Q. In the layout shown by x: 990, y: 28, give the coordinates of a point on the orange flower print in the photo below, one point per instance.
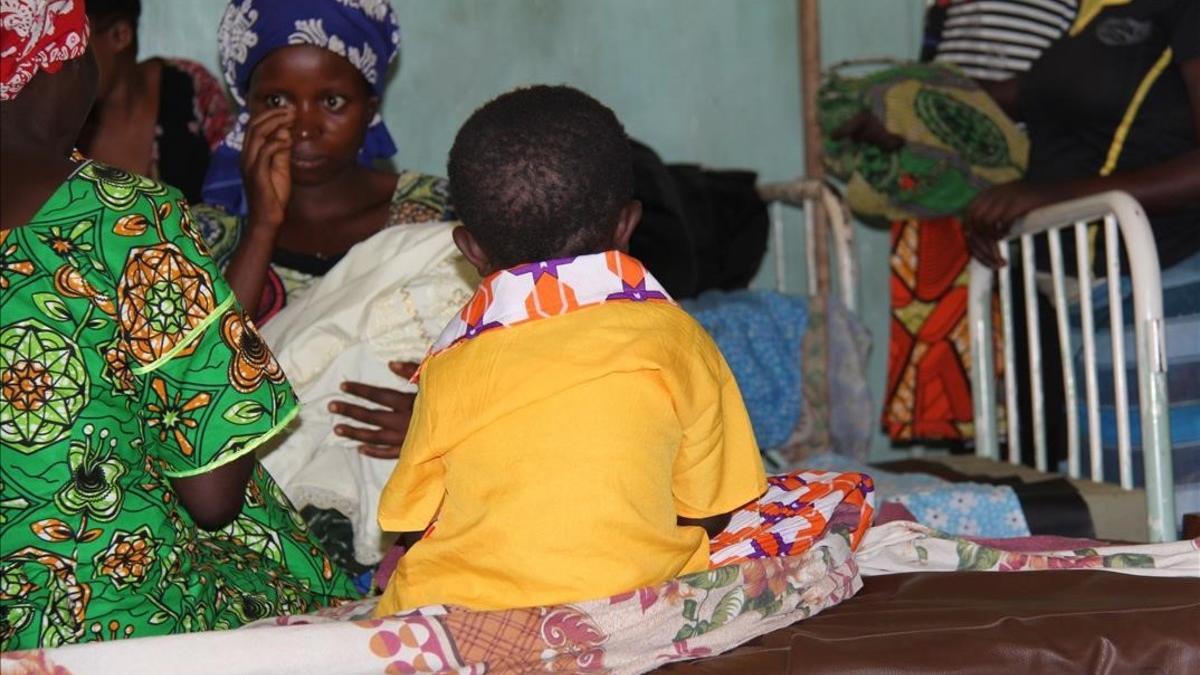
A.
x: 132, y: 225
x: 8, y: 263
x: 170, y: 416
x: 764, y: 576
x: 117, y: 371
x: 252, y: 359
x: 69, y: 282
x: 128, y: 557
x: 161, y: 297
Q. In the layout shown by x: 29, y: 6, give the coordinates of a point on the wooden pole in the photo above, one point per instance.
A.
x: 809, y: 34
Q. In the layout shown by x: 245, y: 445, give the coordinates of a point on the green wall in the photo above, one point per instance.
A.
x: 708, y: 81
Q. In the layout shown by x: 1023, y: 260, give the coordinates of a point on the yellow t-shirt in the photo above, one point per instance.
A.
x: 557, y: 454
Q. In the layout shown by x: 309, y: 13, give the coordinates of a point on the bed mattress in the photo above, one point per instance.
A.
x: 967, y: 622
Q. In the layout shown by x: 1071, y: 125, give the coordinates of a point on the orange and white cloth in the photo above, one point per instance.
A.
x: 37, y: 35
x: 797, y: 509
x: 550, y: 288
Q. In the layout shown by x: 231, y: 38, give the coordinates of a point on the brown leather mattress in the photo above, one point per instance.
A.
x: 987, y: 622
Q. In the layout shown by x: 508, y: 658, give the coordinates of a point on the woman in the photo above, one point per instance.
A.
x: 295, y: 176
x: 1136, y: 129
x: 135, y: 389
x: 294, y: 182
x: 161, y: 117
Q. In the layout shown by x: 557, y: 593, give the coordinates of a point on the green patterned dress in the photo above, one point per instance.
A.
x: 126, y: 361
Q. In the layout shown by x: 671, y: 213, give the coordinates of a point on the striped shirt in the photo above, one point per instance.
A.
x: 998, y: 39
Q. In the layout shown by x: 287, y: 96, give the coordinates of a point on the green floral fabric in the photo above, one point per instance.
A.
x: 125, y: 361
x: 957, y: 141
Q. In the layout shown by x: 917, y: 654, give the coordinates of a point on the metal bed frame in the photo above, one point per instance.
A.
x: 1121, y: 214
x: 841, y: 230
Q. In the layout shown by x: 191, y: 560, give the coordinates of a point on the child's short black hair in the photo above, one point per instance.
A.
x: 541, y: 173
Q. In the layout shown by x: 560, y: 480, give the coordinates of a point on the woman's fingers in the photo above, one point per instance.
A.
x: 377, y: 437
x: 375, y: 416
x: 380, y: 451
x: 262, y: 129
x: 274, y: 158
x: 851, y: 128
x: 984, y: 248
x: 396, y: 400
x: 865, y: 127
x: 266, y: 122
x: 405, y: 369
x: 391, y: 421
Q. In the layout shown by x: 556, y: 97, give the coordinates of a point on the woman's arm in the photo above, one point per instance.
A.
x: 215, y: 499
x: 247, y: 268
x: 1004, y: 93
x: 1165, y: 187
x: 266, y: 172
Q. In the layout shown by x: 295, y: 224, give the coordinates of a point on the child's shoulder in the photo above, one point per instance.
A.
x: 672, y: 326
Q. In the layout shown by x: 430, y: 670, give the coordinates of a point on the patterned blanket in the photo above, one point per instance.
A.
x: 967, y: 509
x: 781, y: 560
x: 905, y: 546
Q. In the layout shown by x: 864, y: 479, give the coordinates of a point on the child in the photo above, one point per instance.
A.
x: 576, y: 434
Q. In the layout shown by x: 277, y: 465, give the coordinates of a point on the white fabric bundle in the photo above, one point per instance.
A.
x: 388, y: 299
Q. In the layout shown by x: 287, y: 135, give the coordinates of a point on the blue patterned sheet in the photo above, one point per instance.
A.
x: 973, y: 509
x: 1181, y: 309
x: 760, y: 333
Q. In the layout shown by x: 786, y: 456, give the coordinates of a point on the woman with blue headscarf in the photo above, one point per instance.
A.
x: 294, y: 183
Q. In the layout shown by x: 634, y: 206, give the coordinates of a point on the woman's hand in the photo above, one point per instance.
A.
x: 390, y: 422
x: 865, y: 127
x: 992, y: 213
x: 266, y: 166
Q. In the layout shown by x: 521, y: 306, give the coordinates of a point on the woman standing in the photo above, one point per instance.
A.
x: 135, y: 389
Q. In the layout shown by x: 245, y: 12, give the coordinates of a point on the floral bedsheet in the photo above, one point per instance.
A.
x: 783, y: 559
x: 905, y: 546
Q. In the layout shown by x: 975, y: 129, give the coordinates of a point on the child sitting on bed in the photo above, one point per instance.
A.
x: 576, y: 434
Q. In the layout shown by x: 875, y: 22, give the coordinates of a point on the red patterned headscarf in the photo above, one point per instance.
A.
x: 38, y: 35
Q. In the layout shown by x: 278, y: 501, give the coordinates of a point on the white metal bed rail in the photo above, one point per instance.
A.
x: 1120, y: 213
x: 841, y: 230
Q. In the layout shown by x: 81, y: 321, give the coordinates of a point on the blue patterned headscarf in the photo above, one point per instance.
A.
x: 364, y: 32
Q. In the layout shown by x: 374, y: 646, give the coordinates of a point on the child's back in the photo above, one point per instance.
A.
x: 565, y: 423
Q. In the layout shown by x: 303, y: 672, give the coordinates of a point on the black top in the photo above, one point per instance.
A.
x: 1074, y: 98
x: 181, y: 149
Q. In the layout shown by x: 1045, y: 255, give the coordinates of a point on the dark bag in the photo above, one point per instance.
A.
x: 701, y: 229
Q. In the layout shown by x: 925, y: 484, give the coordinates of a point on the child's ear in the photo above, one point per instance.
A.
x: 473, y: 252
x: 627, y: 222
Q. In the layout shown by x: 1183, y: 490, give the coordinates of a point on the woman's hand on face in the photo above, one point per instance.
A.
x: 992, y: 213
x: 266, y: 166
x: 390, y: 423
